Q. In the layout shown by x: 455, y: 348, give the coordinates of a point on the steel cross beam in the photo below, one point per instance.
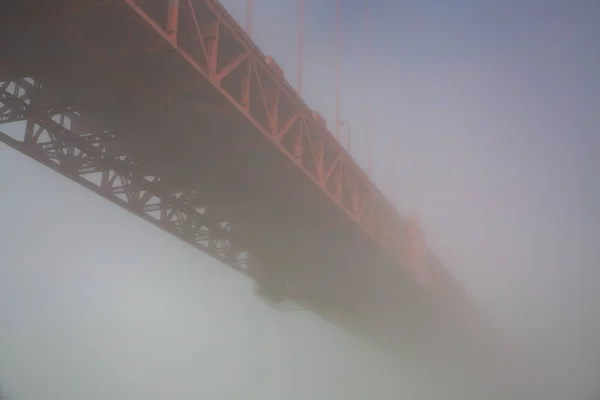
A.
x: 188, y: 65
x: 86, y: 158
x: 218, y: 50
x: 200, y: 49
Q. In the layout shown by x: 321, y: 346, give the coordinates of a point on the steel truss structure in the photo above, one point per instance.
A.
x: 92, y: 160
x: 169, y: 110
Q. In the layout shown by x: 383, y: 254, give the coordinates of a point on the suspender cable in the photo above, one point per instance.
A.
x: 249, y: 17
x: 338, y: 60
x: 300, y: 43
x: 369, y: 146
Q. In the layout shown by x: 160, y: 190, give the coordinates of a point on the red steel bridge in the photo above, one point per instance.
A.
x: 168, y: 109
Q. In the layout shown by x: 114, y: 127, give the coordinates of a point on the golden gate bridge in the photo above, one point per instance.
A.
x: 169, y: 110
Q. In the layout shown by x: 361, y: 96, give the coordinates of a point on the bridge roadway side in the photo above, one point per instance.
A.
x: 103, y: 99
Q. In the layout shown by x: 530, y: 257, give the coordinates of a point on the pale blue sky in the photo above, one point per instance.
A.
x: 497, y: 110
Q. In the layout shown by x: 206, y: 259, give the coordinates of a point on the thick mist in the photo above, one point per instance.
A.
x: 496, y: 109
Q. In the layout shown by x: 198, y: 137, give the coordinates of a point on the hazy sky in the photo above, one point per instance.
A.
x: 496, y: 108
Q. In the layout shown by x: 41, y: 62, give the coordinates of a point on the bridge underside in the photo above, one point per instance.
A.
x: 87, y: 90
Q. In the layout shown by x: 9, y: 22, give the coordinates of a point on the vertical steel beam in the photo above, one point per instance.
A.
x: 172, y: 20
x: 298, y: 145
x: 319, y: 155
x: 245, y: 91
x: 211, y: 36
x: 338, y: 183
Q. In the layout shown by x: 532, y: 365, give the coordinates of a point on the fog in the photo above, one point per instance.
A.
x: 496, y: 108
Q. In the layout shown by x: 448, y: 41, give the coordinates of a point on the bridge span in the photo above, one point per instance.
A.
x: 169, y: 110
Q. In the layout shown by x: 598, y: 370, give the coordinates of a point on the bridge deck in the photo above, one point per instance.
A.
x: 176, y: 117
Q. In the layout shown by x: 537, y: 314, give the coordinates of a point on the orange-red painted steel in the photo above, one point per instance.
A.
x: 169, y: 110
x: 225, y: 122
x: 357, y: 196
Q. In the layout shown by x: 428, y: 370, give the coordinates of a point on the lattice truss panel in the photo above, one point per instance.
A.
x: 191, y: 57
x: 85, y: 86
x: 90, y: 158
x: 206, y: 36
